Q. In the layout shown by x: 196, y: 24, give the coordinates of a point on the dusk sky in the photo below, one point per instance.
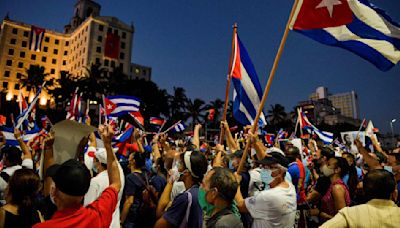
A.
x: 187, y: 43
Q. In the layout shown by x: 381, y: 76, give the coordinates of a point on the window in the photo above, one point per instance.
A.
x: 123, y: 45
x: 99, y: 38
x: 53, y: 61
x: 123, y: 35
x: 11, y: 51
x: 109, y: 30
x: 19, y: 75
x: 98, y: 49
x: 47, y: 39
x: 33, y: 57
x: 44, y: 59
x: 16, y: 86
x: 5, y: 85
x: 121, y: 55
x: 45, y: 49
x: 143, y: 72
x: 83, y: 51
x: 24, y: 44
x: 20, y: 65
x: 13, y: 41
x: 55, y: 51
x: 106, y: 62
x: 67, y: 43
x: 97, y: 61
x: 56, y: 41
x: 6, y: 73
x: 9, y: 62
x: 65, y: 52
x: 64, y: 62
x: 26, y: 34
x: 101, y: 27
x: 15, y: 31
x: 22, y: 54
x: 112, y: 64
x: 52, y: 71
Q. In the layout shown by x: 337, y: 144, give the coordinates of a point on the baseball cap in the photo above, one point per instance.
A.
x: 72, y: 178
x: 274, y: 158
x: 101, y: 155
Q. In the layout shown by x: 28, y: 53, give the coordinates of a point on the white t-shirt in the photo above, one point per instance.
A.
x: 255, y: 180
x: 275, y: 207
x: 97, y: 186
x: 26, y: 163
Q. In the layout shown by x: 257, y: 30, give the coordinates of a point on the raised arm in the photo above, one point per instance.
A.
x: 25, y: 150
x: 372, y: 162
x: 107, y: 133
x: 196, y: 136
x: 258, y: 146
x: 230, y: 141
x: 48, y: 160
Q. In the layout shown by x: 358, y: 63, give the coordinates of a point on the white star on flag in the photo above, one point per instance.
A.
x: 109, y: 106
x: 329, y: 4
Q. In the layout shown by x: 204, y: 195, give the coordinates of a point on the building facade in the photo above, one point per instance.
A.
x: 88, y: 39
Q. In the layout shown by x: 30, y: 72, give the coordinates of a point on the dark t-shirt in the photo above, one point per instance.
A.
x: 176, y: 213
x: 134, y: 187
x: 46, y: 207
x: 159, y: 183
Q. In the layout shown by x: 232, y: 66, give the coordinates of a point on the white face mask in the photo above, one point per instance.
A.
x: 327, y: 171
x: 388, y: 168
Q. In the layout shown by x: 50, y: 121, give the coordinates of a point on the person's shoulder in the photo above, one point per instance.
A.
x: 229, y: 221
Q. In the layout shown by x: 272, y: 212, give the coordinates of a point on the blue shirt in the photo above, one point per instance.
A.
x: 176, y: 213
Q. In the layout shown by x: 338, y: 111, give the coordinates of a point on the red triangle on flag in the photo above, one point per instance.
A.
x: 138, y: 116
x: 110, y: 106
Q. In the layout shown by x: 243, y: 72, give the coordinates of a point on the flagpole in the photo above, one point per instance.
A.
x: 359, y: 129
x: 171, y: 127
x: 159, y: 130
x: 228, y: 86
x: 105, y: 109
x: 99, y: 115
x: 268, y: 86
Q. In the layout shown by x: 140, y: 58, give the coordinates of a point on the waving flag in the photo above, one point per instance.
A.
x: 138, y: 117
x: 22, y: 104
x: 121, y: 105
x: 247, y: 89
x: 179, y: 127
x: 35, y: 41
x: 326, y: 137
x: 355, y: 25
x: 73, y: 106
x: 24, y: 115
x: 157, y: 121
x: 10, y: 139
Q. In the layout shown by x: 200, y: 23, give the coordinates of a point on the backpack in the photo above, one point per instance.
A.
x: 149, y: 200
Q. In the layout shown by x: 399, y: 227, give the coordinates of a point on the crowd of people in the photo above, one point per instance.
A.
x: 179, y: 182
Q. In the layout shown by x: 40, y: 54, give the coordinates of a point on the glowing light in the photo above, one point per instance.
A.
x: 9, y: 96
x: 43, y: 101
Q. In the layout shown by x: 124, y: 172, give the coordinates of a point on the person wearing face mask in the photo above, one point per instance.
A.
x: 380, y: 211
x: 100, y: 182
x: 185, y: 210
x: 275, y: 207
x: 216, y: 196
x: 337, y: 196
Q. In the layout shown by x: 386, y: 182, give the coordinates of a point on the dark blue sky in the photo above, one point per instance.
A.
x: 187, y: 43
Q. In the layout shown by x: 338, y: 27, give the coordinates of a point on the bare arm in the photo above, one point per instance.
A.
x: 230, y: 141
x: 138, y: 139
x: 238, y: 197
x: 112, y: 162
x: 218, y: 158
x: 125, y: 209
x: 372, y: 162
x: 196, y: 136
x: 164, y: 199
x: 25, y: 150
x: 258, y: 146
x: 48, y: 160
x: 155, y: 149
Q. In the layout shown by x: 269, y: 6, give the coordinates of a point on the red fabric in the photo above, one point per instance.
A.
x: 327, y: 201
x: 111, y: 48
x: 138, y: 116
x: 124, y: 148
x: 110, y: 106
x: 97, y: 214
x: 302, y: 191
x: 236, y: 69
x: 211, y: 114
x: 3, y: 120
x: 313, y: 17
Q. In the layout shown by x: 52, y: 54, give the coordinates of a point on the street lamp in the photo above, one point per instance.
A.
x: 391, y: 126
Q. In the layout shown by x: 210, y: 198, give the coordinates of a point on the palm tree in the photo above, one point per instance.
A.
x: 277, y: 115
x: 177, y: 104
x: 35, y: 77
x: 94, y: 82
x: 64, y: 86
x: 195, y: 110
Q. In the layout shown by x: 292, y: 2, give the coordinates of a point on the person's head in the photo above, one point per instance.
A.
x: 393, y: 159
x: 347, y: 139
x: 137, y: 161
x: 235, y: 160
x: 12, y: 156
x: 325, y: 153
x: 292, y: 153
x: 349, y: 158
x: 379, y: 184
x: 192, y: 166
x: 273, y: 169
x: 100, y: 160
x: 71, y: 182
x: 22, y: 188
x: 335, y: 166
x: 218, y: 189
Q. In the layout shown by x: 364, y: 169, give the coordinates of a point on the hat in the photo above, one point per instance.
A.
x: 72, y: 178
x: 51, y: 171
x: 101, y: 155
x: 275, y: 149
x: 274, y: 158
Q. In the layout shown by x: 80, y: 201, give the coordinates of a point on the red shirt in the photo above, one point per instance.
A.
x: 97, y: 214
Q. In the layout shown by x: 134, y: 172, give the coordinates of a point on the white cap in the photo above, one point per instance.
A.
x: 101, y: 155
x: 275, y: 149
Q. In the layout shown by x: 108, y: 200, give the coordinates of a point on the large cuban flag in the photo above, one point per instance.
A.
x: 355, y: 25
x: 121, y: 105
x: 247, y: 91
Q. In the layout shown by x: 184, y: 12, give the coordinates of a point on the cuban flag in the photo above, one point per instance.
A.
x: 179, y: 127
x: 326, y: 137
x: 10, y: 139
x: 157, y: 121
x: 355, y: 25
x: 24, y: 114
x: 247, y: 91
x: 121, y: 105
x: 35, y: 41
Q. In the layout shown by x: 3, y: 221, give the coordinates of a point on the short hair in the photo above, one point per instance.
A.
x: 343, y: 165
x: 224, y: 180
x: 378, y: 184
x: 13, y: 155
x: 396, y: 156
x: 198, y: 163
x: 292, y: 153
x: 140, y: 160
x: 327, y: 152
